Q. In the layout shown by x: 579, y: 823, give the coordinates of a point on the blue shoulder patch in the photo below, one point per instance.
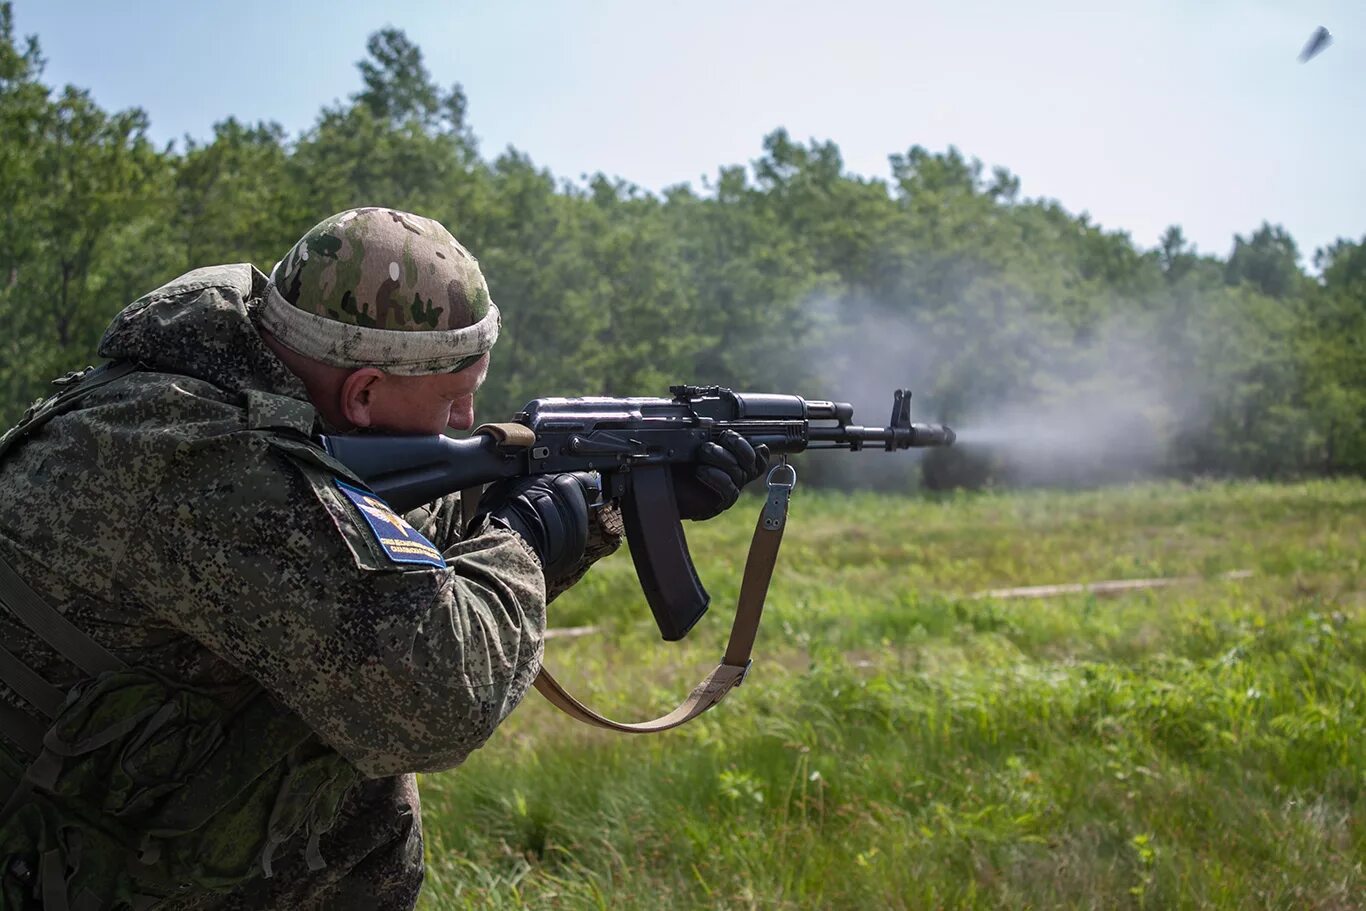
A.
x: 398, y: 539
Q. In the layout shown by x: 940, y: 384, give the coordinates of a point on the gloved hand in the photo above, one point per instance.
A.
x: 713, y: 485
x: 550, y: 512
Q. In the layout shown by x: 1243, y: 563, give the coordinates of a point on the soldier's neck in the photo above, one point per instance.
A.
x: 322, y: 381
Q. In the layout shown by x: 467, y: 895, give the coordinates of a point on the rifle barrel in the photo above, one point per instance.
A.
x: 853, y: 436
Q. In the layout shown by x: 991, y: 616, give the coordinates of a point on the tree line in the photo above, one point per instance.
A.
x: 786, y: 274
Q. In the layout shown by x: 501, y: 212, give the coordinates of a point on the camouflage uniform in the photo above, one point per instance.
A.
x: 177, y: 518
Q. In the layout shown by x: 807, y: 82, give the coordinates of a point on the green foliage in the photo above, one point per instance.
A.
x: 788, y: 273
x: 78, y: 183
x: 1268, y: 261
x: 235, y: 197
x: 398, y: 88
x: 1333, y: 350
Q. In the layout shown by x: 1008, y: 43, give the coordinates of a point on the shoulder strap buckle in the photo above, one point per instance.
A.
x: 74, y: 376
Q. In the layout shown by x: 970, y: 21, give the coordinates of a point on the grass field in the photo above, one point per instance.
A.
x: 901, y: 744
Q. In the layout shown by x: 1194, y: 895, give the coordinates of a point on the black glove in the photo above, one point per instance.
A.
x: 550, y: 512
x: 713, y: 484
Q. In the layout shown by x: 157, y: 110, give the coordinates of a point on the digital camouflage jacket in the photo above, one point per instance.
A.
x: 177, y: 518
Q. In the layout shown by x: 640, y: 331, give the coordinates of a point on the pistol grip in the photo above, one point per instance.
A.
x: 659, y: 549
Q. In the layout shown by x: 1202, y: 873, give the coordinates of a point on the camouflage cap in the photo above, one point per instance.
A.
x: 381, y: 288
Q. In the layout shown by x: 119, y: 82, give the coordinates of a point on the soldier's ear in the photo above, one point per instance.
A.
x: 358, y: 395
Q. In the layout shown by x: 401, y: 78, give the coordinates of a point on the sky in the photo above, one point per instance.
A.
x: 1143, y: 115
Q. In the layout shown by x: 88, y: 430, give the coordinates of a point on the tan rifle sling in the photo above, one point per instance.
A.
x: 734, y: 666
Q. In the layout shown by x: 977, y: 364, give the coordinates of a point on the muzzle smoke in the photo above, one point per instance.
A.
x: 1032, y: 403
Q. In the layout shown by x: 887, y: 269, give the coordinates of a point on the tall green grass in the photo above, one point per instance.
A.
x: 902, y: 744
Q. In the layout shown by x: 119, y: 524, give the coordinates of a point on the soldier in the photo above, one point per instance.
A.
x: 222, y: 657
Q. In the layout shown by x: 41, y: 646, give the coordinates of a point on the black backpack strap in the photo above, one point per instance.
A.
x: 21, y: 730
x: 69, y: 641
x: 43, y: 619
x: 74, y: 387
x: 46, y: 622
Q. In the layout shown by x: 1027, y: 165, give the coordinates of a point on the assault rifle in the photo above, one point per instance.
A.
x: 631, y: 443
